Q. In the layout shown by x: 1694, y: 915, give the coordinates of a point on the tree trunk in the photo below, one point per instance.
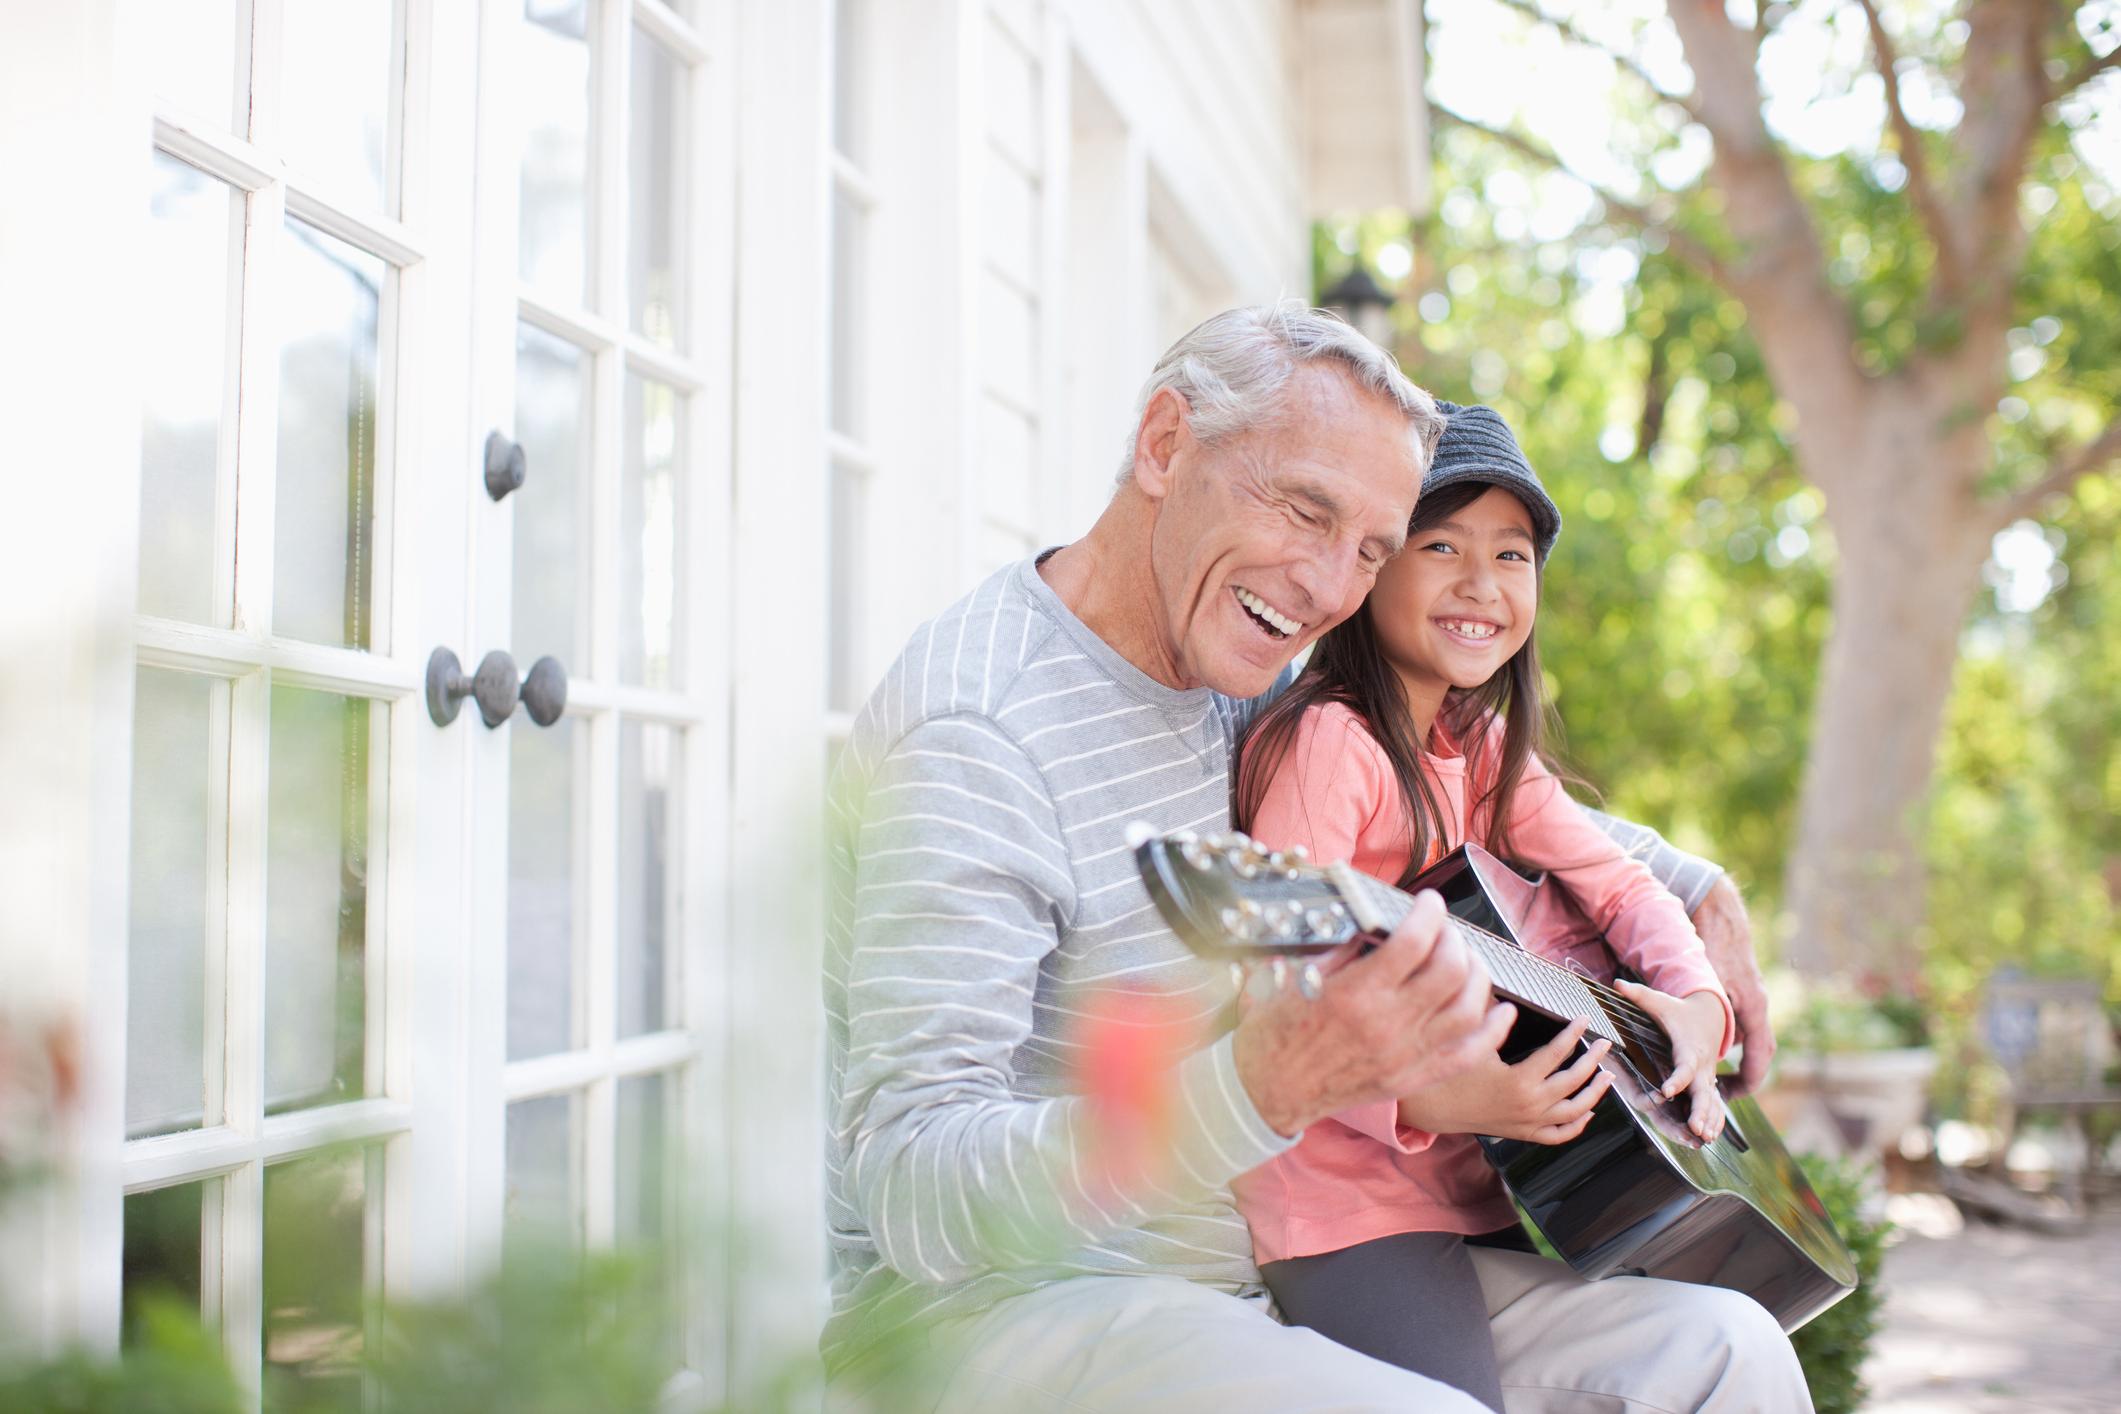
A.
x: 1911, y: 542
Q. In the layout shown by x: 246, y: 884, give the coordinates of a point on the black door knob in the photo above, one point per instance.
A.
x: 505, y: 465
x: 545, y: 691
x: 493, y: 687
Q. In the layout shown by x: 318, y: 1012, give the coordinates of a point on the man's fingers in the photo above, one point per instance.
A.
x: 1759, y: 1039
x: 1417, y: 943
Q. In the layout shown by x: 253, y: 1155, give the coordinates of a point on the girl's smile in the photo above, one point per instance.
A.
x: 1453, y: 607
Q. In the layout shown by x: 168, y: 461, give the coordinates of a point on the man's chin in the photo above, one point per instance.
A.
x: 1242, y: 675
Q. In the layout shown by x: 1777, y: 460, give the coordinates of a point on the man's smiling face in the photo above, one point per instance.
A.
x: 1266, y: 539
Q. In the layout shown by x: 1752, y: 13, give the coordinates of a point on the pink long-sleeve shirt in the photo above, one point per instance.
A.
x: 1362, y: 1174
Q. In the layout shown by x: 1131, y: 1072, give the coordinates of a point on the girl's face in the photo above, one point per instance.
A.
x: 1454, y: 606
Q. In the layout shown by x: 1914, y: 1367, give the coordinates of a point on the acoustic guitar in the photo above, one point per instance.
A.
x: 1636, y: 1192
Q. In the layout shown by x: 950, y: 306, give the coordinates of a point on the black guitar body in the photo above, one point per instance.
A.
x: 1635, y: 1192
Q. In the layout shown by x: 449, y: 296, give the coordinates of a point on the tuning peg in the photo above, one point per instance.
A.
x: 1311, y: 982
x: 1279, y: 969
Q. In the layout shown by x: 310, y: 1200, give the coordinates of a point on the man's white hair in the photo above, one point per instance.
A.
x: 1233, y: 370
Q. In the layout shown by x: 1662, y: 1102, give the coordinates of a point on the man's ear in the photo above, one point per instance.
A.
x: 1162, y: 435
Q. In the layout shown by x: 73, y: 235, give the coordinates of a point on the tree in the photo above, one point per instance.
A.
x: 1889, y: 295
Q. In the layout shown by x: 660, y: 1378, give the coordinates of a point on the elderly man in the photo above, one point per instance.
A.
x: 985, y: 898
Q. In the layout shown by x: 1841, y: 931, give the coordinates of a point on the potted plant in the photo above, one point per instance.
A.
x: 1853, y: 1070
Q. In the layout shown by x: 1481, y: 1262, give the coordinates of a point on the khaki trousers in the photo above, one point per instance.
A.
x: 1116, y: 1345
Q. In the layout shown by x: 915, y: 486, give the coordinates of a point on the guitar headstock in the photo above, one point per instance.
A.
x: 1226, y: 897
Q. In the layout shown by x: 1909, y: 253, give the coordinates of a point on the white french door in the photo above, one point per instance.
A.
x: 434, y: 357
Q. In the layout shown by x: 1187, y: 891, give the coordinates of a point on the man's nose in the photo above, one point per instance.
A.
x: 1327, y: 579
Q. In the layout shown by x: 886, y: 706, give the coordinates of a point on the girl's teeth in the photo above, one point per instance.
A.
x: 1470, y: 630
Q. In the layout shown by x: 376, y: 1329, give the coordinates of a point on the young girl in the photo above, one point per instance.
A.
x: 1415, y: 727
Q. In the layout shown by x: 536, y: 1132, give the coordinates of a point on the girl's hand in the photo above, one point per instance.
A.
x: 1542, y: 1099
x: 1695, y: 1025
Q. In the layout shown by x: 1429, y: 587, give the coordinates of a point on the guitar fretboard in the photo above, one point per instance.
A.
x: 1511, y: 969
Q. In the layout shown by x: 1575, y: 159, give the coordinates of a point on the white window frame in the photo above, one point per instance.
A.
x: 231, y: 1156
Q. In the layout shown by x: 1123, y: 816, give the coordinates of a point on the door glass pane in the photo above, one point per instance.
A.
x: 552, y: 508
x: 656, y: 187
x: 643, y: 1220
x: 325, y: 515
x: 177, y: 848
x: 316, y: 896
x: 185, y: 338
x: 552, y: 79
x: 544, y: 1205
x: 163, y: 1233
x: 646, y: 1221
x: 190, y: 48
x: 335, y: 94
x: 545, y: 770
x: 847, y: 292
x: 849, y: 122
x: 648, y: 535
x: 648, y: 819
x: 316, y: 1262
x: 845, y: 578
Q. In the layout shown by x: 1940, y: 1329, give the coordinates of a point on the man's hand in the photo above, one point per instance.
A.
x: 1543, y: 1099
x: 1728, y: 936
x: 1414, y: 1011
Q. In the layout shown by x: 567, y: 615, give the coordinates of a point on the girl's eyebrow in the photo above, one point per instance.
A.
x: 1510, y: 532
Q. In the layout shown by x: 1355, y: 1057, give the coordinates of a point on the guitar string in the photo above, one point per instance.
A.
x: 1626, y: 1014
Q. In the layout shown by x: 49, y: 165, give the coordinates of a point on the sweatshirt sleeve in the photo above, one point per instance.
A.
x: 962, y: 884
x: 1644, y: 921
x: 1689, y: 876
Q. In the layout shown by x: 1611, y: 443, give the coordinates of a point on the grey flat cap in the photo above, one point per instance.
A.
x: 1478, y: 445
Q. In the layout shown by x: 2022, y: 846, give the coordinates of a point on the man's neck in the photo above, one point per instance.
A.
x: 1106, y: 580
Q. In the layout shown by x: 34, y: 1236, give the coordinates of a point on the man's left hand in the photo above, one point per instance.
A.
x: 1727, y: 934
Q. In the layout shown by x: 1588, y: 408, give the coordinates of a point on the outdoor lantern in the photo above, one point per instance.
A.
x: 1363, y: 303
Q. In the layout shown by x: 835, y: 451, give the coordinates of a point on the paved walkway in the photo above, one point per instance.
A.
x: 1993, y: 1319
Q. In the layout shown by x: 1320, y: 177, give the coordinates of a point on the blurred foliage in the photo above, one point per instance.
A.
x: 1833, y: 1346
x: 1832, y: 1018
x: 1686, y: 604
x: 174, y: 1366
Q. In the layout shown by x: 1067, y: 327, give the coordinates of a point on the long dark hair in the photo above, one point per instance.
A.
x: 1348, y: 666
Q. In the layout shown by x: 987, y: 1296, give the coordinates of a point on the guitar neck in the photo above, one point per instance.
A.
x: 1517, y: 974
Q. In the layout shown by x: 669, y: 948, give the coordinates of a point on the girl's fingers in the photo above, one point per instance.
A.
x: 1684, y: 1068
x: 1708, y: 1114
x: 1569, y: 1081
x: 1580, y: 1103
x: 1549, y: 1058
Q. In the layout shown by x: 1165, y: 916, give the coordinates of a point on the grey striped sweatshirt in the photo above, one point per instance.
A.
x: 981, y: 890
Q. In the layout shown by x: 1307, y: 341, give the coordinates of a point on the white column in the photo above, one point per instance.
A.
x: 1111, y: 311
x: 776, y: 604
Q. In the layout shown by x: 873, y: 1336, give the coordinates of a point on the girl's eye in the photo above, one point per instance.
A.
x: 1444, y: 545
x: 1514, y: 555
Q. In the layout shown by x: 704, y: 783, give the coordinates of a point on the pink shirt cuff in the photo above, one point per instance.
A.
x: 1380, y: 1121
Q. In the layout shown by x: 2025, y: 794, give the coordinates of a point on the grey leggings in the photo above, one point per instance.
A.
x: 1412, y: 1300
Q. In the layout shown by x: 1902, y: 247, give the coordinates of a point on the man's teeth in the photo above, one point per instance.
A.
x: 1468, y: 628
x: 1260, y: 607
